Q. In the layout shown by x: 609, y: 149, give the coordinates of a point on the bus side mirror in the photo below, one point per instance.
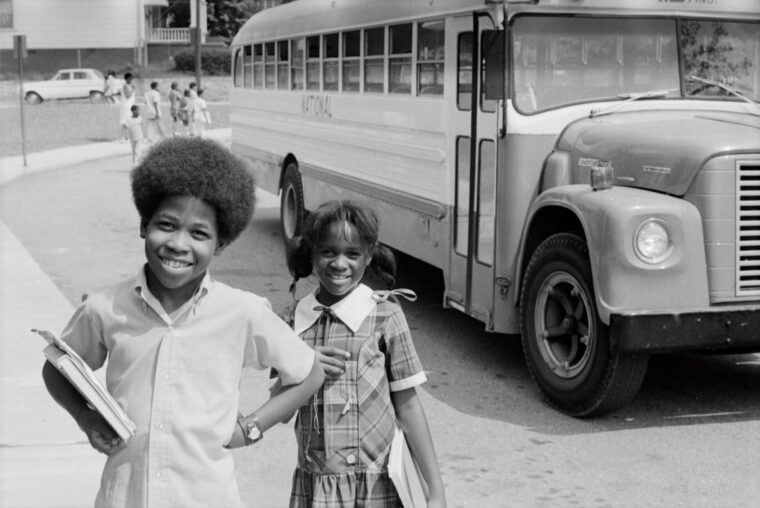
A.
x: 493, y: 58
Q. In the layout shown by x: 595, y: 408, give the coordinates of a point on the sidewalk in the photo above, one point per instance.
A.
x: 38, y: 441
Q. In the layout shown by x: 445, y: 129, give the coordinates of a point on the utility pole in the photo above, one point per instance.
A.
x: 198, y: 44
x: 19, y: 51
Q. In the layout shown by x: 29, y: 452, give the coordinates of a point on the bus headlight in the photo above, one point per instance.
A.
x: 652, y: 241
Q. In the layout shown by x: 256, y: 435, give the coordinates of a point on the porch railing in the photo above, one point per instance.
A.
x: 168, y: 35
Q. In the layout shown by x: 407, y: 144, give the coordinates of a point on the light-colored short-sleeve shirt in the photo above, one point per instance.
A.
x: 178, y: 379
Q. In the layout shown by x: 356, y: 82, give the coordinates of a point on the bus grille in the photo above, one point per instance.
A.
x: 748, y: 228
x: 727, y: 193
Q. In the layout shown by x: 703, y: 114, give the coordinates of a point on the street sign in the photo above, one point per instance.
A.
x: 19, y: 46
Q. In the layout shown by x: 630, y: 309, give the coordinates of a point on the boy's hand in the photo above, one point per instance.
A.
x: 333, y: 360
x: 99, y: 433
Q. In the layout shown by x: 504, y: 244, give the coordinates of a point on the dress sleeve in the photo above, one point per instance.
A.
x: 272, y: 343
x: 84, y: 333
x: 405, y: 369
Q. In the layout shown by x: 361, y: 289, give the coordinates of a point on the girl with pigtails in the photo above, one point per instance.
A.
x: 363, y: 342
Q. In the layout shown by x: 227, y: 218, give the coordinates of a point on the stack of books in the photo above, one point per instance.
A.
x: 405, y: 474
x: 81, y: 376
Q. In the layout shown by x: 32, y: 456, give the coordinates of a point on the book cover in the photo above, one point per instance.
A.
x: 405, y: 473
x: 82, y: 377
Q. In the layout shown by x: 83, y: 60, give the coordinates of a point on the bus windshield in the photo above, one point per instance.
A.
x: 559, y: 61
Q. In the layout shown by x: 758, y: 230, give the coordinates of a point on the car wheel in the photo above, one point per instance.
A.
x: 292, y: 211
x: 32, y: 98
x: 567, y: 346
x: 96, y: 96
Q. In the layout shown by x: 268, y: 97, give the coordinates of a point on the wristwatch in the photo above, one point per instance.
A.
x: 251, y: 429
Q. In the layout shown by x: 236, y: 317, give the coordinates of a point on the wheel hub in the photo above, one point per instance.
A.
x: 563, y: 321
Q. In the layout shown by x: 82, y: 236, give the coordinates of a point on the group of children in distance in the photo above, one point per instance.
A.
x: 188, y: 110
x: 177, y: 340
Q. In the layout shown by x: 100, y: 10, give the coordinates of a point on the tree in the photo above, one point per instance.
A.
x: 225, y: 17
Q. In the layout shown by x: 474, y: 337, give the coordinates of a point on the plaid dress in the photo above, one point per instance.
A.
x: 344, y: 433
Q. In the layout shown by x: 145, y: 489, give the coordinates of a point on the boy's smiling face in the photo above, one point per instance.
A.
x: 181, y: 239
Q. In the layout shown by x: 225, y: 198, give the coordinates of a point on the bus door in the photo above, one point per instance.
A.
x: 470, y: 285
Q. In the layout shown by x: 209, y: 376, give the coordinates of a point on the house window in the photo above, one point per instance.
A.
x: 374, y: 63
x: 351, y: 61
x: 430, y: 56
x: 6, y: 14
x: 400, y: 58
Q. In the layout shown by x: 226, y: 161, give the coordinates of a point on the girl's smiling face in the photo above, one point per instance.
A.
x: 181, y: 239
x: 339, y: 261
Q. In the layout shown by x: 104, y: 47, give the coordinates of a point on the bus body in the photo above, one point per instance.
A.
x: 584, y: 173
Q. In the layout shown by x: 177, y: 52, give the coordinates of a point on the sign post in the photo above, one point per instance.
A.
x: 19, y: 52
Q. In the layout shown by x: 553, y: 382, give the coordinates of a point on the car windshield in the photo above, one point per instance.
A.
x: 558, y: 61
x: 98, y: 74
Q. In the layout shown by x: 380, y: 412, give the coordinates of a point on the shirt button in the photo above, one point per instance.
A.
x: 166, y: 376
x: 161, y: 426
x: 351, y: 459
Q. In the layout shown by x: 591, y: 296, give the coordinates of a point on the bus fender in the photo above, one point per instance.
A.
x: 609, y: 220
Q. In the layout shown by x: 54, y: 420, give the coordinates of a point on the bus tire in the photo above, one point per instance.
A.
x: 567, y: 347
x: 292, y: 211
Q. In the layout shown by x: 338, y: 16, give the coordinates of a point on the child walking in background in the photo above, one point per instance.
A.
x: 135, y: 132
x: 175, y: 100
x: 201, y: 116
x: 176, y: 340
x: 364, y: 345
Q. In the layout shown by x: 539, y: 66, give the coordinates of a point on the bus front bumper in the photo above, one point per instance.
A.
x: 719, y: 328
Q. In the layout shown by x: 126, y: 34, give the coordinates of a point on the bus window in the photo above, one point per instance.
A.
x: 351, y: 61
x: 296, y: 71
x: 430, y: 56
x: 312, y: 63
x: 331, y: 62
x: 492, y: 83
x: 461, y: 208
x: 282, y: 65
x: 258, y: 66
x: 400, y: 59
x: 464, y: 71
x: 269, y: 65
x: 486, y: 201
x: 557, y: 63
x: 238, y: 63
x: 374, y: 54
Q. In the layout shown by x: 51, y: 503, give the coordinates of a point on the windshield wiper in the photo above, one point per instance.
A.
x: 630, y: 97
x: 722, y: 86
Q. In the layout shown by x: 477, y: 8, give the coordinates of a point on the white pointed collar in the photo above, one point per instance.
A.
x: 352, y: 309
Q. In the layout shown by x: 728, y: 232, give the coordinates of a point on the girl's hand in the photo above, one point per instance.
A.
x: 99, y: 433
x: 333, y: 360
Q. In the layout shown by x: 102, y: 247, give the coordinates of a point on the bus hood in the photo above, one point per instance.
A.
x: 657, y: 150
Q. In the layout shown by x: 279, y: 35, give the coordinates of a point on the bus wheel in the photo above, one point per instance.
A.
x: 292, y: 211
x: 566, y: 346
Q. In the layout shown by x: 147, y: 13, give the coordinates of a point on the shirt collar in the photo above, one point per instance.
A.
x: 140, y: 286
x: 351, y: 310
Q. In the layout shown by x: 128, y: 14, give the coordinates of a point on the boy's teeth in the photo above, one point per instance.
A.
x: 174, y: 264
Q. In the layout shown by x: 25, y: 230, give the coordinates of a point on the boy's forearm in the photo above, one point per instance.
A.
x: 61, y: 390
x: 290, y: 398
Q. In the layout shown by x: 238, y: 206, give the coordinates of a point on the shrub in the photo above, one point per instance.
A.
x: 214, y: 63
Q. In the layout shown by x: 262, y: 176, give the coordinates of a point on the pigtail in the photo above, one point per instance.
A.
x: 299, y: 258
x: 383, y: 265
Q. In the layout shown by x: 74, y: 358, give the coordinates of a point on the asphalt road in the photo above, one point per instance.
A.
x: 690, y: 438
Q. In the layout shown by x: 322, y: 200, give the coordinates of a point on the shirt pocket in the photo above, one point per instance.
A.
x: 213, y: 381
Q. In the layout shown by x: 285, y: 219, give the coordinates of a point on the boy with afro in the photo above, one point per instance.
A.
x: 176, y: 340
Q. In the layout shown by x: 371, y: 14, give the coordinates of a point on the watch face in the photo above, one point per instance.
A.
x: 253, y: 432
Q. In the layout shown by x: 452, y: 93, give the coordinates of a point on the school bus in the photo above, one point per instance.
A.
x: 585, y: 173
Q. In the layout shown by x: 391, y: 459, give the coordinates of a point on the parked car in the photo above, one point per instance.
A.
x: 67, y: 84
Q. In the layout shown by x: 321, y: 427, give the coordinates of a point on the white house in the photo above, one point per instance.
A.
x: 112, y: 34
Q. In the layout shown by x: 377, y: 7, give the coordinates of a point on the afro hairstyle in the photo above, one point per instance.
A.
x: 200, y: 168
